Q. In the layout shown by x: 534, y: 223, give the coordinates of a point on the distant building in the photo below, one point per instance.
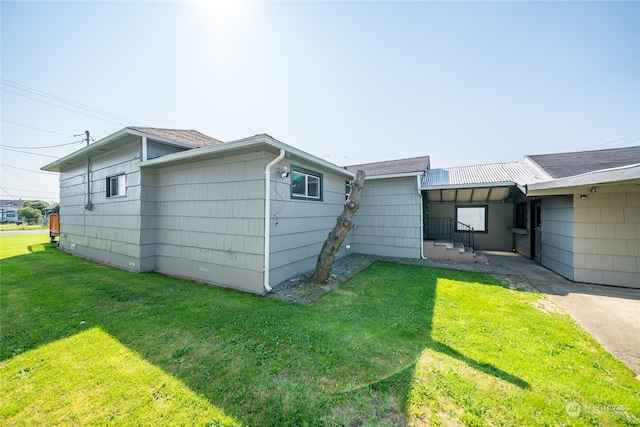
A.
x: 9, y: 210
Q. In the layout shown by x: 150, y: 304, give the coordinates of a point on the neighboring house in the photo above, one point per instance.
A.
x: 9, y: 210
x: 248, y: 214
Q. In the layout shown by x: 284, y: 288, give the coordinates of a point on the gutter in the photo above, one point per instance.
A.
x: 419, y: 182
x: 267, y: 217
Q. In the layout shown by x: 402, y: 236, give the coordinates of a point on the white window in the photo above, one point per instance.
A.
x: 305, y: 184
x: 116, y: 186
x: 473, y: 216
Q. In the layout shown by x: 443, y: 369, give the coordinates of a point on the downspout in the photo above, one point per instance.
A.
x: 421, y: 218
x: 267, y: 216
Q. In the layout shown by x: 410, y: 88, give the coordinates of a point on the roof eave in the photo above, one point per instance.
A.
x: 394, y: 175
x: 100, y: 145
x: 475, y: 185
x: 243, y: 144
x: 607, y: 176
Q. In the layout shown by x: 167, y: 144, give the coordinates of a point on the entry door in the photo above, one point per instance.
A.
x: 536, y: 231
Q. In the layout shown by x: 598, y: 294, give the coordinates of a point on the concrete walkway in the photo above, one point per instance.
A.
x: 610, y: 314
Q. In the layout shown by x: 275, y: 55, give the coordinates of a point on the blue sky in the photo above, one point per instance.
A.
x: 351, y: 82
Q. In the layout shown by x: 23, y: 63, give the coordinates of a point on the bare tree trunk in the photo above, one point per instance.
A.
x: 337, y: 235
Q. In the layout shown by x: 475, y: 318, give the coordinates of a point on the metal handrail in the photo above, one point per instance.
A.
x: 451, y: 230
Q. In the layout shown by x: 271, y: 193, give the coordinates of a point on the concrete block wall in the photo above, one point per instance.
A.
x: 607, y: 236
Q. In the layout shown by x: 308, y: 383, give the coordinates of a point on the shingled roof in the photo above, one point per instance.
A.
x: 191, y: 137
x: 562, y: 165
x: 393, y: 167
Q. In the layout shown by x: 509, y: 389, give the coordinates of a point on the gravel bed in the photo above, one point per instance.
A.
x: 300, y: 290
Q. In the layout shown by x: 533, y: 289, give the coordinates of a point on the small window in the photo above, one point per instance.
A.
x: 473, y: 216
x: 116, y: 186
x: 305, y: 184
x: 520, y: 220
x: 347, y: 189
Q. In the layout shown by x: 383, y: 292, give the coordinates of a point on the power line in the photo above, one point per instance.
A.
x: 23, y: 195
x: 36, y: 128
x: 25, y: 179
x: 40, y: 148
x: 26, y: 152
x: 64, y: 108
x: 621, y: 141
x: 60, y: 99
x: 28, y: 170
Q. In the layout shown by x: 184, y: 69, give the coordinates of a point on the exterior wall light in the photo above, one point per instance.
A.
x: 594, y: 189
x: 283, y: 171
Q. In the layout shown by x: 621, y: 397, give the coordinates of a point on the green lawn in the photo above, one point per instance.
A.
x: 82, y: 343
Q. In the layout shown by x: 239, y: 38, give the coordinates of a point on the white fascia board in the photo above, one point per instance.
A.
x: 81, y: 153
x: 394, y: 175
x: 536, y: 169
x: 159, y: 138
x: 243, y: 144
x: 464, y: 186
x: 606, y: 176
x: 102, y: 146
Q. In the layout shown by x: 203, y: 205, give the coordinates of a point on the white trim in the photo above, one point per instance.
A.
x: 267, y: 217
x: 144, y: 148
x: 604, y: 176
x: 395, y: 175
x: 247, y: 143
x: 466, y: 186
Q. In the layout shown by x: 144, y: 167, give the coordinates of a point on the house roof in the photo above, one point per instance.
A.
x: 191, y: 137
x: 494, y: 174
x: 260, y: 141
x: 413, y: 165
x: 185, y: 139
x: 562, y: 165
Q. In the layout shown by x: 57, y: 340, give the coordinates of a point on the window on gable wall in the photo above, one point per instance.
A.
x: 305, y: 184
x: 473, y: 216
x: 116, y: 186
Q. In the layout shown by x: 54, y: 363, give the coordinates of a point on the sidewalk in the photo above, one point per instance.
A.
x: 610, y: 314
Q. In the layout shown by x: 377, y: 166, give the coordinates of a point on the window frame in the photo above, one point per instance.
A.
x: 520, y: 215
x: 119, y: 186
x: 297, y: 170
x: 486, y: 217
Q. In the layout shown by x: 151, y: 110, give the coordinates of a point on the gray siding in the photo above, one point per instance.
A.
x: 607, y: 237
x: 299, y: 228
x: 557, y: 235
x: 110, y: 231
x: 389, y: 221
x: 209, y: 221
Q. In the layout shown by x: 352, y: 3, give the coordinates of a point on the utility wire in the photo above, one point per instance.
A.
x: 26, y: 152
x: 64, y: 108
x: 33, y: 127
x: 29, y: 170
x: 60, y: 99
x: 43, y: 147
x: 621, y: 141
x: 22, y: 191
x: 25, y: 179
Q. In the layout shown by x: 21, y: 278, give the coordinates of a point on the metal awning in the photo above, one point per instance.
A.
x: 469, y: 195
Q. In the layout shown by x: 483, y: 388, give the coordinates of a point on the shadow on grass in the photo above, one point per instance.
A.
x: 262, y: 361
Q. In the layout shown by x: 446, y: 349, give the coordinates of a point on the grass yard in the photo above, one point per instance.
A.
x: 82, y: 343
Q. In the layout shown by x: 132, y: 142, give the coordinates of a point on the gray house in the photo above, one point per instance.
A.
x: 577, y: 214
x: 245, y: 214
x: 250, y: 213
